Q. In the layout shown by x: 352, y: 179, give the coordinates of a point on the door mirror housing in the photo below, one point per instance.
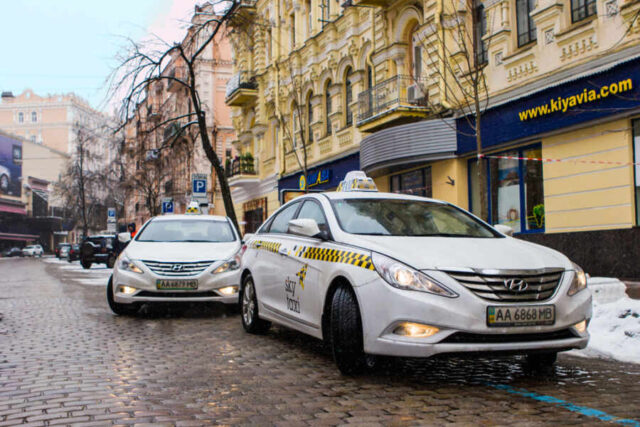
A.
x: 124, y: 237
x: 306, y: 227
x: 504, y: 229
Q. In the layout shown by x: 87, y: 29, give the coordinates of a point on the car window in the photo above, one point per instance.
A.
x: 312, y: 210
x: 198, y: 231
x: 398, y: 217
x: 280, y: 223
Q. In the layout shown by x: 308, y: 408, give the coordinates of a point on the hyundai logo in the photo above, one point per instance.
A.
x: 515, y: 285
x: 177, y: 267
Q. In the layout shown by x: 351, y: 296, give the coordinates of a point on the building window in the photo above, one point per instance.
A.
x: 581, y: 9
x: 33, y: 138
x: 327, y: 108
x: 480, y: 31
x: 636, y: 159
x: 417, y: 182
x: 416, y: 54
x: 309, y: 18
x: 20, y: 117
x: 34, y: 116
x: 325, y: 5
x: 292, y: 20
x: 309, y: 117
x: 526, y: 26
x: 295, y: 119
x: 348, y: 98
x: 515, y: 190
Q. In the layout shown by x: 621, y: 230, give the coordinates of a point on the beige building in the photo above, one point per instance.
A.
x: 160, y: 165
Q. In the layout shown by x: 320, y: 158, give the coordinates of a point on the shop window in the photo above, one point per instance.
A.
x: 515, y: 190
x: 581, y: 9
x: 417, y: 182
x: 636, y: 159
x: 526, y: 26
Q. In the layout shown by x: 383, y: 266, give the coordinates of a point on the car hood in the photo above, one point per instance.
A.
x: 451, y: 253
x: 181, y: 251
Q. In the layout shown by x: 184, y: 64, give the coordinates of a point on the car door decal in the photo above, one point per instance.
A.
x: 302, y: 274
x: 334, y: 255
x: 265, y: 245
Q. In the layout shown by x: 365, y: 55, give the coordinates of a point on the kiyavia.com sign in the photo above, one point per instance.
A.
x: 563, y: 104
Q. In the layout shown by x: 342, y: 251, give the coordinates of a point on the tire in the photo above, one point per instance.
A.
x: 117, y: 308
x: 251, y: 321
x: 86, y: 264
x: 541, y: 361
x: 346, y: 333
x: 111, y: 261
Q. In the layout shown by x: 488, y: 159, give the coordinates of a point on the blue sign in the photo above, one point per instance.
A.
x: 593, y: 97
x: 323, y: 177
x: 199, y: 186
x: 111, y: 212
x: 167, y: 206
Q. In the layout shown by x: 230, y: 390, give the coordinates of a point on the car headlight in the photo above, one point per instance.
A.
x: 228, y: 265
x: 402, y: 276
x: 126, y: 264
x: 579, y: 281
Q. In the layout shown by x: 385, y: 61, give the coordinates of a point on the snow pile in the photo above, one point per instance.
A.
x: 615, y: 325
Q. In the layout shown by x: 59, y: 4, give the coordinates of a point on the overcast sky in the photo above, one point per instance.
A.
x: 60, y: 46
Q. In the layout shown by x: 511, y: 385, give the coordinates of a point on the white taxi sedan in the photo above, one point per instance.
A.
x: 177, y: 258
x: 396, y: 275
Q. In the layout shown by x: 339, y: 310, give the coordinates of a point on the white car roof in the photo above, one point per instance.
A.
x: 338, y: 195
x: 190, y: 217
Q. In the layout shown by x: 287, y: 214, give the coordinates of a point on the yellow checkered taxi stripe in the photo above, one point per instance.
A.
x: 335, y: 255
x: 193, y: 210
x: 266, y: 245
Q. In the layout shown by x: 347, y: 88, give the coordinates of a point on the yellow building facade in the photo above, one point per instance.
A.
x: 391, y: 83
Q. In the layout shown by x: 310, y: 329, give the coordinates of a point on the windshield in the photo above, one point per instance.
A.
x: 187, y: 231
x: 395, y: 217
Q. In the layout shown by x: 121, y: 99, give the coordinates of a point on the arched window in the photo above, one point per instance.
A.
x: 309, y: 117
x: 480, y: 31
x: 415, y: 53
x: 295, y: 121
x: 348, y: 97
x: 327, y: 107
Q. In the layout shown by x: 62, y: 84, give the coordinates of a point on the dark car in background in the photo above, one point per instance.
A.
x: 12, y: 252
x: 100, y: 249
x: 60, y: 246
x: 74, y: 253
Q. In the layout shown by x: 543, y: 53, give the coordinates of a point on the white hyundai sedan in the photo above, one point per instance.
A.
x: 396, y: 275
x: 177, y: 258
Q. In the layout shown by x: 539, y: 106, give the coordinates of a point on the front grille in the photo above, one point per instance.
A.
x: 541, y: 284
x: 468, y: 338
x: 185, y: 294
x: 177, y: 269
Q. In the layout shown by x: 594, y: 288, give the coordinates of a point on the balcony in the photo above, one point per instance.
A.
x: 395, y: 101
x: 241, y: 173
x: 372, y: 3
x: 173, y: 85
x: 245, y: 10
x: 241, y: 89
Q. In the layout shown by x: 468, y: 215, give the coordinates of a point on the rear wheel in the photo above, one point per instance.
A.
x: 541, y: 361
x: 346, y: 333
x: 117, y: 308
x: 251, y: 322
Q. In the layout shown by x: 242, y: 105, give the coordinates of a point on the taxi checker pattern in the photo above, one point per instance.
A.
x: 266, y: 245
x: 193, y: 210
x: 334, y: 255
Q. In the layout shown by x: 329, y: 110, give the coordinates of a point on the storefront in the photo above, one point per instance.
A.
x: 322, y: 177
x: 560, y: 160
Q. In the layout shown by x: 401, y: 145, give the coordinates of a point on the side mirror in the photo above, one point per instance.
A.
x: 504, y: 229
x: 305, y: 227
x: 124, y: 237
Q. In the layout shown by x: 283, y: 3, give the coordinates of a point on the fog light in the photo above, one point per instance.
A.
x: 228, y: 290
x: 415, y: 330
x: 128, y: 290
x: 581, y: 326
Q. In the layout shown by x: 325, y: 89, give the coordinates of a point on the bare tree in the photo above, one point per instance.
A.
x: 177, y: 64
x: 455, y: 69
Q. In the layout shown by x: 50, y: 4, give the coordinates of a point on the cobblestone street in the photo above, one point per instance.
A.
x: 66, y: 359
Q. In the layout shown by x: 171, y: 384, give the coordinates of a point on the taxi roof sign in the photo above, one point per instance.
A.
x: 193, y: 208
x: 357, y: 181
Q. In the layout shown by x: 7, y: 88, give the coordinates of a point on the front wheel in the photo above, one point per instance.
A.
x: 117, y: 308
x: 346, y: 333
x: 86, y: 264
x: 251, y: 322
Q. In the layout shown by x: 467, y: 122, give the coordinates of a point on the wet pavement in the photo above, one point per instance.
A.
x: 66, y: 359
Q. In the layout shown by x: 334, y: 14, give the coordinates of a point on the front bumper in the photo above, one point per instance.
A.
x: 462, y: 322
x: 146, y: 289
